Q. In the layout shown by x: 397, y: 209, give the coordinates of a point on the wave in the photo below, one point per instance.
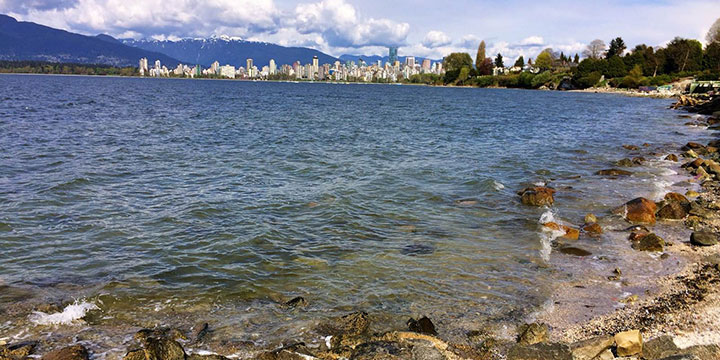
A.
x: 70, y: 314
x: 547, y: 235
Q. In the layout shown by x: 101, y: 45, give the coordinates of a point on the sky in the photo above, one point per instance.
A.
x: 418, y: 27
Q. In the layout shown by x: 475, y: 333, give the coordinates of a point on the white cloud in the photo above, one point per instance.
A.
x: 435, y: 39
x: 532, y: 40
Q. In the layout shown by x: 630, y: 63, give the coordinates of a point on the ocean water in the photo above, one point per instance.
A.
x: 172, y: 201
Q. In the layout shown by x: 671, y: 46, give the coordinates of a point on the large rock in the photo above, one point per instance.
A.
x: 640, y: 210
x: 529, y: 334
x: 17, y: 351
x: 156, y: 346
x: 353, y: 324
x: 613, y: 172
x: 592, y: 229
x: 673, y: 196
x: 537, y: 196
x: 422, y: 326
x: 569, y: 233
x: 629, y: 343
x: 672, y: 157
x: 660, y: 347
x: 74, y: 352
x: 672, y: 210
x: 541, y: 351
x: 591, y: 348
x: 649, y: 242
x: 703, y: 238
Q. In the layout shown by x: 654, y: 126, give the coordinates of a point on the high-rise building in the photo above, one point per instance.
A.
x: 249, y: 63
x: 315, y: 66
x: 392, y: 54
x: 272, y: 68
x: 143, y: 66
x: 410, y: 61
x: 215, y: 67
x: 426, y: 64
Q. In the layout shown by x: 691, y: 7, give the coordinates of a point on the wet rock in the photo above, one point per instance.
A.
x: 639, y: 160
x: 673, y: 196
x: 156, y: 345
x: 540, y: 351
x: 206, y: 357
x: 631, y: 147
x: 17, y: 351
x: 713, y: 168
x: 422, y: 326
x: 690, y: 154
x: 569, y: 233
x: 529, y: 334
x: 537, y: 196
x: 639, y: 228
x: 672, y: 157
x: 356, y: 323
x: 703, y: 238
x: 701, y: 174
x: 135, y: 355
x: 624, y: 162
x: 74, y: 352
x: 692, y: 146
x: 672, y: 210
x: 297, y: 301
x: 660, y: 347
x: 590, y: 218
x: 417, y: 249
x: 571, y: 250
x: 638, y: 210
x: 649, y: 242
x: 605, y: 355
x: 593, y: 229
x: 613, y: 172
x: 377, y: 350
x: 199, y: 331
x: 297, y: 351
x: 629, y: 343
x: 700, y: 210
x: 691, y: 193
x: 589, y: 349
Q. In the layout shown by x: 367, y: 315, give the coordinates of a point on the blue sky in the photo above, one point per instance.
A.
x: 419, y: 27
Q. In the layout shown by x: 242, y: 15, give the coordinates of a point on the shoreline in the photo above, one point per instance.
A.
x: 350, y: 337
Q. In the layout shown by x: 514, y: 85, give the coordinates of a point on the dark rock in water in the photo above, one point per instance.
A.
x: 625, y: 163
x: 672, y: 157
x: 649, y: 242
x: 529, y: 334
x: 672, y: 210
x: 156, y: 345
x: 639, y: 210
x: 570, y: 250
x: 593, y: 229
x: 135, y: 355
x: 540, y: 351
x: 417, y: 249
x: 537, y: 196
x: 199, y: 331
x: 422, y: 326
x: 673, y: 196
x: 206, y: 357
x: 590, y: 348
x: 74, y: 352
x: 17, y: 351
x: 297, y: 351
x: 639, y: 160
x: 377, y: 350
x: 692, y: 146
x: 353, y: 324
x: 703, y: 238
x: 613, y: 172
x: 631, y: 147
x: 297, y: 301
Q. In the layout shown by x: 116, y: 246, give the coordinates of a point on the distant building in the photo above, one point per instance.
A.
x: 410, y: 61
x: 249, y: 66
x: 392, y: 54
x: 426, y: 64
x: 272, y: 68
x: 315, y: 67
x: 143, y: 66
x: 227, y: 71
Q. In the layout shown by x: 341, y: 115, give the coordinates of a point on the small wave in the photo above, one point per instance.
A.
x: 547, y: 235
x: 70, y: 314
x: 661, y: 187
x: 498, y: 185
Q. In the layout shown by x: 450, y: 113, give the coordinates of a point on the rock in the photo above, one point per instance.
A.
x: 17, y: 351
x: 691, y: 193
x: 629, y: 343
x: 529, y: 334
x: 701, y: 174
x: 692, y: 146
x: 537, y: 196
x: 422, y: 326
x: 682, y: 357
x: 164, y: 349
x: 206, y: 357
x: 297, y: 351
x: 571, y: 250
x: 593, y: 229
x: 376, y: 350
x: 199, y: 330
x: 640, y: 228
x: 660, y: 347
x: 638, y: 210
x: 672, y: 210
x: 605, y: 355
x: 569, y: 233
x: 639, y: 160
x: 649, y: 242
x: 539, y: 351
x: 713, y: 168
x: 631, y: 147
x: 589, y: 349
x: 672, y: 157
x: 673, y: 196
x: 690, y: 154
x: 74, y: 352
x: 613, y: 172
x: 297, y: 301
x: 624, y: 162
x: 693, y: 164
x: 590, y: 218
x: 135, y: 355
x: 703, y: 238
x: 353, y: 324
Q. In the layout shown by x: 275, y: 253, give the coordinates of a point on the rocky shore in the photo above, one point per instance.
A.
x: 679, y: 318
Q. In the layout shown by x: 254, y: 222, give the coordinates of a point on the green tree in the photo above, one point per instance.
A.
x: 463, y: 75
x: 615, y: 67
x: 519, y: 62
x: 544, y: 61
x: 577, y: 59
x: 457, y: 61
x: 617, y: 47
x: 499, y: 61
x: 633, y: 79
x: 480, y: 57
x: 711, y: 58
x: 683, y: 55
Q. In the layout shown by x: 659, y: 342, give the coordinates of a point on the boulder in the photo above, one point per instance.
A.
x: 206, y: 357
x: 624, y: 162
x: 296, y: 302
x: 74, y: 352
x: 589, y: 349
x: 590, y: 218
x: 593, y: 229
x: 353, y: 324
x: 692, y: 146
x: 631, y: 147
x: 672, y: 157
x: 649, y: 242
x: 422, y: 326
x: 672, y: 210
x: 613, y: 172
x: 660, y: 347
x: 540, y: 351
x: 529, y: 334
x: 713, y: 168
x: 199, y: 331
x: 537, y: 196
x: 629, y: 343
x: 703, y: 238
x: 639, y: 160
x: 691, y: 193
x: 638, y: 210
x: 575, y: 251
x: 569, y: 233
x: 17, y: 351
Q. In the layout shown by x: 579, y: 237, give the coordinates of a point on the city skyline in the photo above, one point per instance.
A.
x: 339, y: 27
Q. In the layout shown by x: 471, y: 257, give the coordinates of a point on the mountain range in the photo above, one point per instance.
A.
x: 21, y: 40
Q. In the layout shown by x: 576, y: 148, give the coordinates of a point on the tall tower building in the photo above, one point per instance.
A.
x: 410, y: 61
x: 315, y: 66
x: 426, y: 64
x: 392, y: 54
x: 273, y: 67
x: 249, y: 63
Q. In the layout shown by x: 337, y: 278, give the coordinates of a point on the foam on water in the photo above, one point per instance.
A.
x: 70, y: 314
x: 547, y: 235
x: 498, y: 185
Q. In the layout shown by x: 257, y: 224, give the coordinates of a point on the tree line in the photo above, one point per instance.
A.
x: 43, y: 67
x: 601, y: 65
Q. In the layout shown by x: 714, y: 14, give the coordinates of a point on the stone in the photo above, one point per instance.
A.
x: 376, y: 350
x: 660, y: 347
x: 649, y: 242
x: 691, y: 193
x: 607, y: 354
x: 701, y: 174
x: 422, y: 326
x: 703, y: 238
x: 199, y: 331
x: 17, y: 351
x: 672, y: 210
x: 693, y: 146
x: 569, y: 233
x: 629, y: 343
x: 589, y: 349
x: 164, y: 349
x: 613, y: 172
x: 624, y: 162
x: 638, y: 160
x: 206, y: 357
x: 672, y: 157
x: 135, y: 355
x: 571, y: 250
x: 537, y: 196
x: 529, y: 334
x: 631, y: 147
x: 297, y: 351
x: 690, y: 154
x: 590, y: 218
x: 74, y: 352
x: 353, y: 324
x: 639, y: 210
x: 593, y: 229
x: 540, y: 351
x: 673, y: 196
x: 297, y: 301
